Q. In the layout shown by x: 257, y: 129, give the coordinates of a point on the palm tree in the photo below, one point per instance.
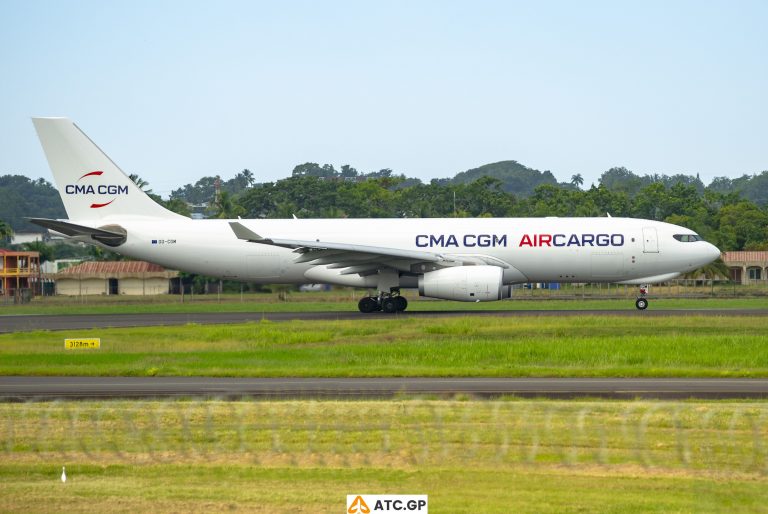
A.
x: 226, y: 208
x: 140, y: 182
x: 46, y: 251
x: 248, y: 175
x: 577, y: 180
x: 715, y: 269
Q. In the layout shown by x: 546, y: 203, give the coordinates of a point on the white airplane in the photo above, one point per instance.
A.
x: 464, y: 259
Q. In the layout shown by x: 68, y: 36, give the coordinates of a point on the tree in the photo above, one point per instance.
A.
x: 22, y: 198
x: 577, y: 180
x: 46, y: 251
x: 178, y: 206
x: 248, y: 176
x: 348, y: 171
x: 742, y: 226
x: 140, y: 182
x: 6, y: 232
x: 226, y: 208
x: 313, y: 169
x: 757, y: 191
x: 715, y: 269
x: 622, y: 179
x: 382, y: 173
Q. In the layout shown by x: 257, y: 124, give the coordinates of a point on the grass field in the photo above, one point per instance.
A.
x: 589, y: 346
x: 469, y: 456
x: 304, y: 456
x: 346, y: 301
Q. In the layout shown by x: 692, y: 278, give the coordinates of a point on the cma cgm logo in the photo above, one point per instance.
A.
x: 83, y: 188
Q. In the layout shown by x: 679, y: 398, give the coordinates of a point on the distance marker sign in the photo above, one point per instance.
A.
x: 92, y: 343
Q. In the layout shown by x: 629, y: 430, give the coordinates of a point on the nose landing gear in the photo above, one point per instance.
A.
x: 642, y: 302
x: 385, y: 302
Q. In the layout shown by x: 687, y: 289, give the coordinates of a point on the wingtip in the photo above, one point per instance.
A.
x: 243, y: 232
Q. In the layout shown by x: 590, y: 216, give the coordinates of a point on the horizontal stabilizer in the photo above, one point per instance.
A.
x: 110, y: 235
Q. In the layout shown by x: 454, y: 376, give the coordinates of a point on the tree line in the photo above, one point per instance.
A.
x: 728, y: 220
x: 730, y: 213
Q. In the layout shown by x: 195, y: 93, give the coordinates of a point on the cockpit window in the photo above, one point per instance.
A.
x: 687, y: 238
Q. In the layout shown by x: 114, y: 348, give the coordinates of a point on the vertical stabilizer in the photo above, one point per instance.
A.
x: 91, y: 186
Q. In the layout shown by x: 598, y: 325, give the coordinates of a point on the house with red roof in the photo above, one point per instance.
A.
x: 114, y: 277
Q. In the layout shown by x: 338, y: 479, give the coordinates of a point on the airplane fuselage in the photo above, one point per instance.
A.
x: 541, y: 249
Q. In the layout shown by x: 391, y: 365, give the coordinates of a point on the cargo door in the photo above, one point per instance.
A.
x: 650, y: 240
x: 265, y: 263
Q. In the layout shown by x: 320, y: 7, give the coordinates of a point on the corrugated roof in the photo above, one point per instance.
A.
x: 745, y: 256
x: 87, y: 268
x: 19, y: 253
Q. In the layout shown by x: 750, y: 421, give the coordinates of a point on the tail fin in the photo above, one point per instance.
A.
x: 91, y: 186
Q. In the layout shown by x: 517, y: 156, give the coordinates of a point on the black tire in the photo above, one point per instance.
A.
x: 367, y: 305
x: 401, y: 303
x: 641, y: 304
x: 389, y: 305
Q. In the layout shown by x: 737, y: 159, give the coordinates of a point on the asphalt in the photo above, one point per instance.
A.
x: 52, y: 388
x: 30, y: 388
x: 22, y: 323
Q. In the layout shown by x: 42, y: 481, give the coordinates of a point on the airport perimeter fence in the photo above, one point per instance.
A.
x: 679, y: 288
x: 724, y: 438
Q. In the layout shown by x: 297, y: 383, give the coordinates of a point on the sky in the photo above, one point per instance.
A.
x: 177, y: 90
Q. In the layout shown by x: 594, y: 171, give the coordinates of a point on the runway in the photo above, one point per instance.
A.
x: 52, y: 388
x: 22, y: 323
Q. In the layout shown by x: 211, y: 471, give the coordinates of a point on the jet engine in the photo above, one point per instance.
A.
x: 465, y: 284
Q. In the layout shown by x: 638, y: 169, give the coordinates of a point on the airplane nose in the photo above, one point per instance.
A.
x: 712, y: 252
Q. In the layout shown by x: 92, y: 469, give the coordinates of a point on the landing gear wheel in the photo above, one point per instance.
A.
x: 641, y: 304
x: 389, y: 305
x: 368, y: 304
x: 401, y: 303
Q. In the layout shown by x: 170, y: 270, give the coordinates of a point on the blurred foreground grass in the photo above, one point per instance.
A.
x: 305, y: 456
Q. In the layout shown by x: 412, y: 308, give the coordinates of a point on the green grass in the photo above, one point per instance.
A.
x: 305, y: 456
x: 346, y: 302
x: 580, y: 346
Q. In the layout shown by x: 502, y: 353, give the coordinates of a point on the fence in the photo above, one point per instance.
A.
x: 723, y: 438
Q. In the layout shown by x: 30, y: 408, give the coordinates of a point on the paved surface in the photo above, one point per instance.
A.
x: 25, y: 388
x: 22, y: 323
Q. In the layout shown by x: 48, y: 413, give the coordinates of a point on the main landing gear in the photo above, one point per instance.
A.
x: 385, y: 302
x: 642, y: 302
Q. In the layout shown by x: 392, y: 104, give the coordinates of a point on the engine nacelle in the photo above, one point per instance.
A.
x: 465, y: 284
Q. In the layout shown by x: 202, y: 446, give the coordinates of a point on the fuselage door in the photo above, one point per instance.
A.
x: 650, y: 240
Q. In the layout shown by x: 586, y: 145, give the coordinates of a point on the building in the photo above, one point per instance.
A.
x: 50, y: 268
x: 747, y: 267
x: 26, y: 237
x: 114, y: 277
x: 19, y: 274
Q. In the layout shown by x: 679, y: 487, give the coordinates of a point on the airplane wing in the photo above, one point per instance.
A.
x: 363, y: 259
